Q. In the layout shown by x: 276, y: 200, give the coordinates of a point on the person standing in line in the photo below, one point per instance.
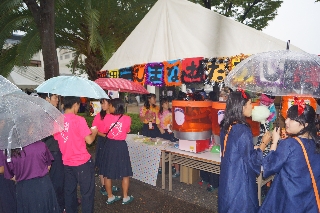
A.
x: 117, y: 164
x: 29, y: 167
x: 78, y: 164
x: 56, y: 172
x: 99, y: 122
x: 240, y: 162
x: 295, y: 163
x: 8, y: 202
x: 149, y: 115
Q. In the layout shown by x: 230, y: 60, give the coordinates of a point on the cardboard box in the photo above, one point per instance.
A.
x: 189, y: 175
x: 194, y: 146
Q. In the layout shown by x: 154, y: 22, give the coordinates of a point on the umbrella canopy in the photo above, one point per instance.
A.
x: 25, y: 119
x: 6, y: 86
x: 72, y: 86
x: 278, y: 73
x: 121, y: 85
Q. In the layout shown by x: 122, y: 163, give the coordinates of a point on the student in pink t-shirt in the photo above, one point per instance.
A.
x: 99, y: 122
x: 117, y: 164
x: 79, y: 167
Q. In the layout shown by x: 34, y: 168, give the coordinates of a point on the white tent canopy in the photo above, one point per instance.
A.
x: 177, y: 29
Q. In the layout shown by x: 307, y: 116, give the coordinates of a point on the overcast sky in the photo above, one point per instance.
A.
x: 299, y: 22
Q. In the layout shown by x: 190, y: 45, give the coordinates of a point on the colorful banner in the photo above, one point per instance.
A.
x: 138, y: 74
x: 102, y: 74
x: 192, y: 71
x: 113, y: 74
x: 154, y: 74
x: 172, y: 72
x: 126, y: 73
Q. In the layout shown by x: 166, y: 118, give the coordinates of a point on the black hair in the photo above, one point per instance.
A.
x: 118, y: 104
x: 103, y: 112
x: 213, y: 96
x: 307, y: 117
x: 162, y: 101
x: 148, y: 97
x: 197, y: 96
x: 234, y: 110
x: 68, y: 101
x: 15, y: 152
x: 45, y: 95
x: 182, y: 96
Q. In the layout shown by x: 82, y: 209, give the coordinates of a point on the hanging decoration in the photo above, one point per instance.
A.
x: 192, y: 71
x: 113, y: 73
x: 172, y: 72
x: 138, y: 74
x: 234, y: 60
x: 102, y: 74
x: 126, y: 73
x: 154, y: 74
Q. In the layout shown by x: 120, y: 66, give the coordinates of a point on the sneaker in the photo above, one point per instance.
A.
x: 175, y: 175
x: 159, y: 171
x: 210, y: 188
x: 103, y: 191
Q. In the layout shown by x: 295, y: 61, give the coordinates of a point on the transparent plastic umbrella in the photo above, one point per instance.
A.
x: 25, y: 119
x: 278, y: 73
x: 72, y: 86
x: 6, y: 86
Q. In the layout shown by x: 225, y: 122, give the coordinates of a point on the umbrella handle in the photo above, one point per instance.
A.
x: 9, y: 145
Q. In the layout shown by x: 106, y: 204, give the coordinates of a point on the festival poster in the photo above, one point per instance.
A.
x: 113, y: 73
x: 172, y: 72
x: 154, y: 74
x: 126, y: 73
x: 192, y: 70
x: 138, y: 74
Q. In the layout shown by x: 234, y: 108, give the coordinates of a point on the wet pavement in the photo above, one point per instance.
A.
x: 183, y: 199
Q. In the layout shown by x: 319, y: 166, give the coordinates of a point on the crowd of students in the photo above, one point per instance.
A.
x: 43, y: 176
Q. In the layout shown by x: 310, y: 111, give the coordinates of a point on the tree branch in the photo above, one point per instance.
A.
x: 35, y: 10
x: 248, y: 10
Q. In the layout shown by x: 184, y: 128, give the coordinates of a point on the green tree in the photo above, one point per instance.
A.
x: 36, y: 18
x: 96, y: 28
x: 254, y: 13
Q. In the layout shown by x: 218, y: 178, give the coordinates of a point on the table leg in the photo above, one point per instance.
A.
x: 163, y: 165
x: 170, y: 171
x: 259, y: 188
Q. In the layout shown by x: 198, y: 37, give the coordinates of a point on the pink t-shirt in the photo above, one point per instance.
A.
x: 120, y: 130
x: 72, y: 140
x: 99, y: 123
x: 165, y: 119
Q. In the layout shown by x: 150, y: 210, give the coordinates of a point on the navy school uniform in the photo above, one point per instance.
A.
x: 56, y: 172
x: 240, y: 166
x: 291, y: 189
x: 8, y: 203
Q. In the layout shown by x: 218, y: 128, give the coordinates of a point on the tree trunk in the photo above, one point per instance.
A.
x: 207, y: 4
x: 44, y: 19
x: 92, y: 64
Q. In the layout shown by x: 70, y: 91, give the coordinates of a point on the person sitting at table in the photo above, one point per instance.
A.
x: 165, y: 126
x: 149, y: 116
x: 293, y: 160
x: 116, y: 160
x: 240, y: 162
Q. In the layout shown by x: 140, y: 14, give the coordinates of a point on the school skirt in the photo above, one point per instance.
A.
x: 99, y: 151
x: 36, y: 195
x: 152, y: 133
x: 116, y: 160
